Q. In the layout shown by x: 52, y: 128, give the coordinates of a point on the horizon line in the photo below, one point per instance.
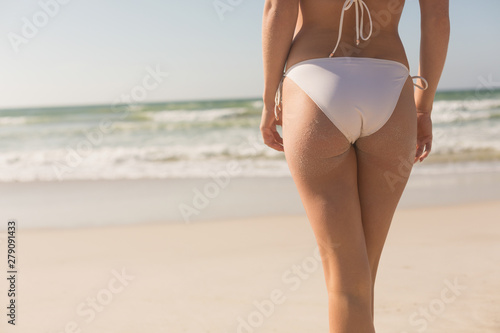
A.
x: 234, y: 99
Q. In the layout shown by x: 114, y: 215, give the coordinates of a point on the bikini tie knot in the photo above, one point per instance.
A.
x: 424, y: 81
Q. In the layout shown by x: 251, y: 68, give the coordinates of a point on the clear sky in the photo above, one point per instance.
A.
x: 92, y: 51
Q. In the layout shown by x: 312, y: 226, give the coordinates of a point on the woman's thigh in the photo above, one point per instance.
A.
x: 385, y: 160
x: 323, y: 165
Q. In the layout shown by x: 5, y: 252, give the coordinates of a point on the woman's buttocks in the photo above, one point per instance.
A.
x: 318, y: 34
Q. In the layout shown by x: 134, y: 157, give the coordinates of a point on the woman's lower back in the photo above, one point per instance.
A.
x: 319, y: 26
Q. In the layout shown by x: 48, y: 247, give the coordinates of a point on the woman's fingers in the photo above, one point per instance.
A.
x: 268, y: 129
x: 418, y: 153
x: 423, y: 150
x: 272, y: 139
x: 424, y: 136
x: 277, y: 137
x: 427, y: 151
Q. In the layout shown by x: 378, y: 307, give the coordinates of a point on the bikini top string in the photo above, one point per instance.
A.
x: 360, y: 6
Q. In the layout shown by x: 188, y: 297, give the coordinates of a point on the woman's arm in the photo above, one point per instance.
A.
x: 278, y: 27
x: 435, y: 34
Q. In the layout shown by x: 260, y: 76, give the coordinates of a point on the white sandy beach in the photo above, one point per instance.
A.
x: 439, y: 273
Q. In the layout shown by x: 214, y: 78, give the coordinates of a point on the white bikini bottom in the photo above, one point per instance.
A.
x: 357, y: 94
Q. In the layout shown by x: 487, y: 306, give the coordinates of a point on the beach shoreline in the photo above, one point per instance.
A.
x: 92, y: 203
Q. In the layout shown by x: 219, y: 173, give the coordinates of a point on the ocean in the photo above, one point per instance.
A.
x: 203, y: 138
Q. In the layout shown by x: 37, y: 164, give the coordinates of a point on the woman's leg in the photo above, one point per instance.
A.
x: 385, y: 160
x: 323, y: 165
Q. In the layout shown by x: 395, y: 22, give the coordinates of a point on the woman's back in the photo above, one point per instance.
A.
x: 319, y: 23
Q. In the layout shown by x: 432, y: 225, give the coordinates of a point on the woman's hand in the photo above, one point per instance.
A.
x: 268, y: 127
x: 424, y: 136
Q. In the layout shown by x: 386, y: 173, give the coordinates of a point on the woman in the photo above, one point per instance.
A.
x: 353, y: 127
